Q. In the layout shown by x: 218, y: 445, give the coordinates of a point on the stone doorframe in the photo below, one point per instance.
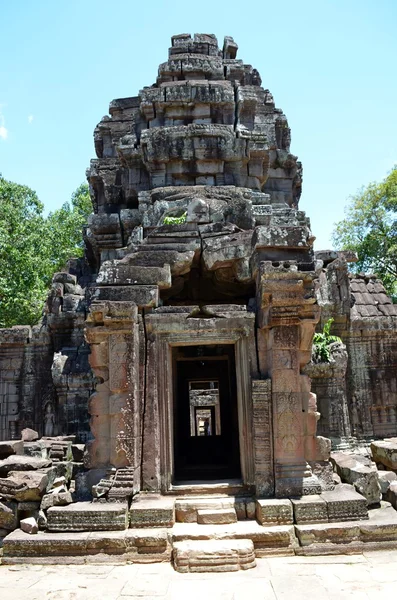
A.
x: 167, y: 330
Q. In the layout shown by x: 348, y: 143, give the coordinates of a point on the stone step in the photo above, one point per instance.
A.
x: 131, y: 545
x: 152, y: 510
x: 213, y: 556
x: 379, y: 531
x: 88, y: 516
x: 186, y: 508
x: 273, y: 540
x: 220, y: 516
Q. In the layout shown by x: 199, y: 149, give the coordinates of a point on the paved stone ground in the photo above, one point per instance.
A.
x: 372, y: 576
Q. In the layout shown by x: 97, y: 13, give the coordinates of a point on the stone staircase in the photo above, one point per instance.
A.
x: 205, y: 533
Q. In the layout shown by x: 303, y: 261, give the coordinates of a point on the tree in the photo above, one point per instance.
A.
x: 370, y: 228
x: 33, y: 247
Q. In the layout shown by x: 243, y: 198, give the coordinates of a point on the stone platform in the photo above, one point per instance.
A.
x: 204, y: 545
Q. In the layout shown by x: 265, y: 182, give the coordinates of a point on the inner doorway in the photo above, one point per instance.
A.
x: 206, y: 433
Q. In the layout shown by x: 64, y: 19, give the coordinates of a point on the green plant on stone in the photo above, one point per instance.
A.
x: 321, y: 343
x: 175, y: 220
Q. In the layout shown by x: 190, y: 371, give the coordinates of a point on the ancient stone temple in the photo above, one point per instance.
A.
x: 205, y: 281
x: 185, y: 337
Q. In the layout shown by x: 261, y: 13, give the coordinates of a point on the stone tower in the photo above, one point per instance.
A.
x: 203, y: 311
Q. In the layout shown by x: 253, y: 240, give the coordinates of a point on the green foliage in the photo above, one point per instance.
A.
x: 175, y: 220
x: 370, y: 229
x: 321, y: 343
x: 33, y: 247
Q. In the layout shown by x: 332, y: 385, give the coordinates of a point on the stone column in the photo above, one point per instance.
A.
x: 287, y: 316
x: 113, y: 334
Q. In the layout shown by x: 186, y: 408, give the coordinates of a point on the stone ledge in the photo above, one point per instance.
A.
x: 200, y: 556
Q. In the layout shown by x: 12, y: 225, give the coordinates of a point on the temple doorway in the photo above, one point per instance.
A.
x: 206, y: 433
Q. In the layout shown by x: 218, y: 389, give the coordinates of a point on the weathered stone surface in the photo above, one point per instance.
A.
x: 213, y: 555
x: 151, y: 510
x: 345, y: 504
x: 7, y: 448
x: 29, y: 525
x: 22, y: 463
x: 186, y: 509
x: 310, y: 509
x: 87, y: 516
x: 385, y: 453
x: 29, y: 435
x: 8, y: 516
x: 391, y: 495
x: 216, y: 516
x: 272, y: 512
x: 386, y: 478
x: 24, y: 486
x: 362, y: 476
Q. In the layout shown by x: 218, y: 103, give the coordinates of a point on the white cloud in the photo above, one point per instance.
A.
x: 3, y: 129
x: 30, y: 119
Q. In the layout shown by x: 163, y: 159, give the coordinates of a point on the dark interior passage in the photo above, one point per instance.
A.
x: 206, y: 438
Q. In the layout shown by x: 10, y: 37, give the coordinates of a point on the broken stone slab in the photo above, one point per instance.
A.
x: 22, y: 463
x: 385, y: 480
x: 200, y: 556
x: 384, y: 453
x: 310, y: 509
x: 24, y: 486
x: 345, y: 504
x: 357, y: 472
x: 219, y: 516
x: 274, y: 511
x: 29, y: 435
x: 152, y: 511
x: 8, y: 448
x: 59, y: 499
x: 29, y: 525
x: 8, y: 516
x: 88, y: 516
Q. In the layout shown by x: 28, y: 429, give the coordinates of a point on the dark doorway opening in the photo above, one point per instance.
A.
x: 206, y: 433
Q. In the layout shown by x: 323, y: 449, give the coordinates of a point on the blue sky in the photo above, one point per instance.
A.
x: 331, y: 66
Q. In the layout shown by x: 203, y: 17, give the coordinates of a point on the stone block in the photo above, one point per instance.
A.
x: 77, y: 452
x: 88, y: 516
x: 213, y: 556
x: 186, y: 508
x: 24, y: 486
x: 217, y: 516
x: 22, y: 463
x: 147, y: 541
x: 8, y: 448
x: 8, y: 516
x: 363, y: 477
x: 385, y: 453
x: 124, y: 274
x: 144, y: 296
x: 29, y: 435
x: 385, y: 479
x: 310, y: 509
x: 345, y: 504
x: 44, y: 544
x: 152, y: 511
x: 391, y: 495
x: 274, y: 511
x: 29, y: 525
